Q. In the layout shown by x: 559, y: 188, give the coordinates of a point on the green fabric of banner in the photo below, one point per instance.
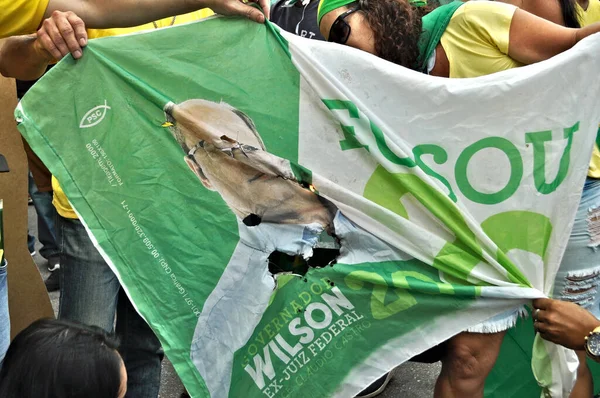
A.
x: 288, y: 230
x: 172, y: 249
x: 511, y: 376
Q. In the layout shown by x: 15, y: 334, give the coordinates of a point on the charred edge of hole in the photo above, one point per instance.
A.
x: 280, y: 262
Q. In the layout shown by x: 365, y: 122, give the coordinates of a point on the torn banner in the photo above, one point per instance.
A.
x: 206, y: 158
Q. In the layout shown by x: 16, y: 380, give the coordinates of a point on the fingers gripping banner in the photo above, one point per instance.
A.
x: 296, y: 218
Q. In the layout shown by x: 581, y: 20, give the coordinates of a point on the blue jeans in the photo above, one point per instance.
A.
x: 46, y: 220
x: 4, y: 318
x: 91, y: 294
x: 578, y: 278
x: 30, y: 242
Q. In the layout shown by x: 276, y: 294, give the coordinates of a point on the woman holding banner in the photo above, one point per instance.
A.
x: 391, y: 29
x: 471, y: 39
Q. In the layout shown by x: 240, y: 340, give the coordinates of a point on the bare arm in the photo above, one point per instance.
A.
x: 26, y: 57
x: 22, y: 59
x: 125, y: 13
x: 563, y: 323
x: 548, y: 39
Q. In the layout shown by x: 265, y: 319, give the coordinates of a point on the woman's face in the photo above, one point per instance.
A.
x: 361, y: 34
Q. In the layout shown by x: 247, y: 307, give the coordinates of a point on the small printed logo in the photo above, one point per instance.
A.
x: 94, y: 116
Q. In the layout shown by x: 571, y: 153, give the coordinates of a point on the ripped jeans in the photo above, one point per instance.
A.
x: 578, y: 277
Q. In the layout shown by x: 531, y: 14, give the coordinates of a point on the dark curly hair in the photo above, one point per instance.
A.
x: 396, y: 26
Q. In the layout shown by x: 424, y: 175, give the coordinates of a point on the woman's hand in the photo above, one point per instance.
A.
x: 61, y: 34
x: 563, y: 323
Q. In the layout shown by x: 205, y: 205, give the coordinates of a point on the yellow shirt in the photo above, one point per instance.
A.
x: 588, y: 17
x: 594, y: 169
x: 162, y: 23
x: 21, y: 17
x: 60, y: 201
x: 476, y: 39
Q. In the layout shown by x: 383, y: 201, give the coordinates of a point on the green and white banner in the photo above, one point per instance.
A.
x: 295, y: 218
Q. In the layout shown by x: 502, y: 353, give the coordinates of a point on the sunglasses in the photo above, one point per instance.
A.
x: 340, y: 30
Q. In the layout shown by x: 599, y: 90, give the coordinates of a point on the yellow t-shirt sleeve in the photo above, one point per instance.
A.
x: 488, y: 20
x: 21, y: 17
x: 162, y: 23
x: 476, y: 39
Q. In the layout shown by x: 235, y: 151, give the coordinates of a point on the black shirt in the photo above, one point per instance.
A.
x: 24, y: 86
x: 298, y: 19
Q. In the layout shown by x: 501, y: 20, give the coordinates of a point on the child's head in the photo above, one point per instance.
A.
x: 56, y: 359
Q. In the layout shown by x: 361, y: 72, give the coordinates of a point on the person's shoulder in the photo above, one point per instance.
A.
x: 478, y: 13
x: 478, y: 7
x: 277, y: 9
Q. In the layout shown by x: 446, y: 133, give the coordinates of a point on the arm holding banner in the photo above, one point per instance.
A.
x: 23, y: 17
x: 23, y: 59
x: 64, y: 32
x: 26, y: 57
x: 551, y: 39
x: 563, y: 322
x: 125, y: 13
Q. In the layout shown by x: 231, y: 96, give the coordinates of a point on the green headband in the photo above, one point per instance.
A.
x: 326, y: 6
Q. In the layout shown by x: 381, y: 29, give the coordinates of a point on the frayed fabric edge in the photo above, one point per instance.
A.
x: 500, y: 325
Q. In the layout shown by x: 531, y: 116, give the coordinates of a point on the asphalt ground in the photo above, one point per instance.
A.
x: 410, y: 380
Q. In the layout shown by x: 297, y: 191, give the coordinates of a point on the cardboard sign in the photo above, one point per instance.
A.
x: 27, y: 296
